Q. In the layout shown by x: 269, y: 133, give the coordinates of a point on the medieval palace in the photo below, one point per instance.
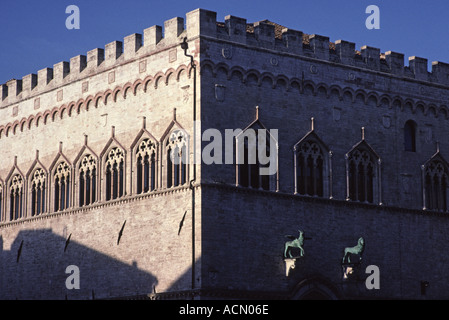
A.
x: 88, y: 177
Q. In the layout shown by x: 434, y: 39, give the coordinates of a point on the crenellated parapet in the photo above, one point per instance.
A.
x: 270, y: 35
x: 234, y: 30
x: 136, y: 46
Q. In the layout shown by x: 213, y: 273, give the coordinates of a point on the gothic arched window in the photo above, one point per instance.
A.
x: 363, y: 174
x: 16, y: 197
x: 251, y: 172
x: 146, y: 166
x: 410, y: 136
x: 115, y: 162
x: 435, y: 174
x: 38, y: 192
x: 310, y: 168
x: 87, y: 180
x: 176, y: 159
x: 62, y: 187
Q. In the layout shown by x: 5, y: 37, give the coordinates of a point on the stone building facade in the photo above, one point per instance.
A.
x: 87, y: 179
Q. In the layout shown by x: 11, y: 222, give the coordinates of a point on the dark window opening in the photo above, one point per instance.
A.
x: 410, y: 136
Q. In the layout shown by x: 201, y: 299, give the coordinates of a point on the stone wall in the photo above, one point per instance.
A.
x: 243, y: 245
x: 233, y: 239
x: 114, y: 97
x: 150, y: 255
x: 291, y: 89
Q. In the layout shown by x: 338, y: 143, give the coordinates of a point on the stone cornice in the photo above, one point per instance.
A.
x: 95, y: 206
x: 325, y: 201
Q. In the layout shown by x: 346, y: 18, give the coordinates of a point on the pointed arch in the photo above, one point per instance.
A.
x: 257, y: 157
x: 312, y: 166
x: 144, y: 158
x: 38, y: 191
x: 363, y: 174
x: 175, y: 156
x: 37, y: 180
x: 15, y: 193
x: 87, y: 180
x: 86, y: 172
x: 435, y: 182
x: 113, y: 168
x: 316, y: 287
x: 61, y: 183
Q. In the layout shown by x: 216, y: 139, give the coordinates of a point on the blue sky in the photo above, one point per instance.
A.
x: 34, y: 35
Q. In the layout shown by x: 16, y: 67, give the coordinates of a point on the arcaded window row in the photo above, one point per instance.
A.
x: 68, y: 186
x: 313, y: 176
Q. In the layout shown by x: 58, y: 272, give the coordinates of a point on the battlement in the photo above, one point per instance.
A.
x: 270, y: 35
x: 262, y: 34
x: 135, y: 46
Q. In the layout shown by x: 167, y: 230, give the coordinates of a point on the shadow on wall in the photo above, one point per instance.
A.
x: 35, y: 268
